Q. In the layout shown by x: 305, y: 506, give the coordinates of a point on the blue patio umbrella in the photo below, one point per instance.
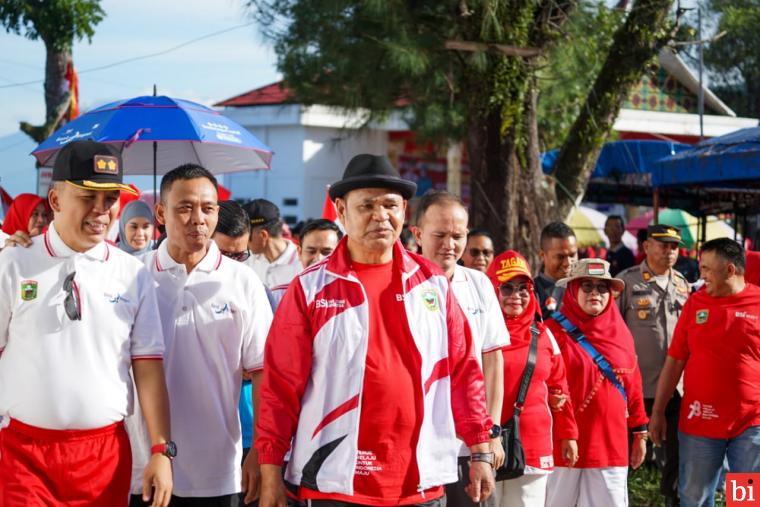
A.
x: 158, y: 133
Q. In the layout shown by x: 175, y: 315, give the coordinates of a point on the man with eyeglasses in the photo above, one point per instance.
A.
x: 654, y: 295
x: 215, y: 317
x: 232, y: 231
x: 478, y: 252
x: 75, y: 315
x: 274, y: 259
x: 441, y: 232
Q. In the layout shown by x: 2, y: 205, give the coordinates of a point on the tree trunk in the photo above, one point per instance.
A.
x: 57, y: 96
x: 508, y: 193
x: 635, y: 43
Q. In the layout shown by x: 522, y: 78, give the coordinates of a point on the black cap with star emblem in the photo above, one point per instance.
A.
x: 664, y: 233
x: 91, y: 165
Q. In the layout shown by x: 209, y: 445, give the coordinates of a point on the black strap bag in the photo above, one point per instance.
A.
x: 514, y: 460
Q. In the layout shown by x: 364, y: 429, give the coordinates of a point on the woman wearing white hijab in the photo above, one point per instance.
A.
x: 136, y: 228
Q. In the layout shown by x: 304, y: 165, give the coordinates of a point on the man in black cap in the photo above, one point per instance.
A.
x: 274, y: 259
x: 75, y: 315
x: 651, y: 303
x: 369, y: 367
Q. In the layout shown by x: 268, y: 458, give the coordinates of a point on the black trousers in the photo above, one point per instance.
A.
x: 666, y: 456
x: 455, y: 493
x: 212, y: 501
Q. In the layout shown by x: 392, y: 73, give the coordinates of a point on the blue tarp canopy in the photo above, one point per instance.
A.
x: 732, y: 160
x: 620, y: 158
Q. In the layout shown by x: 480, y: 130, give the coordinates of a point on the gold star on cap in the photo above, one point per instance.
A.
x: 101, y: 164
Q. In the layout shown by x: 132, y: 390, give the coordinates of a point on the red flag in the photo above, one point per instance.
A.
x: 328, y: 210
x: 73, y: 80
x: 223, y: 192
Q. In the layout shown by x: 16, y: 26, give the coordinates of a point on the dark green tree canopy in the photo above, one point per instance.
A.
x: 57, y: 22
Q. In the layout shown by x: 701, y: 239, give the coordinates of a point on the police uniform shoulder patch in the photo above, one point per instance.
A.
x: 28, y: 290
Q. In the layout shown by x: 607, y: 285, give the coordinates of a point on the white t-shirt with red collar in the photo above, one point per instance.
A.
x: 215, y: 321
x: 477, y: 299
x: 58, y: 373
x: 280, y: 271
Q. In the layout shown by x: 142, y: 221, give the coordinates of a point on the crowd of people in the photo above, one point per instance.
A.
x: 220, y: 362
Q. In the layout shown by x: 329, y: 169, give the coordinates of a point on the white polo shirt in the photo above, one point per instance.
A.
x: 61, y: 374
x: 281, y: 271
x: 215, y: 320
x: 477, y: 298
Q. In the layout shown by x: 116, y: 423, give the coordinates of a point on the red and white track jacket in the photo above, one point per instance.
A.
x: 314, y: 365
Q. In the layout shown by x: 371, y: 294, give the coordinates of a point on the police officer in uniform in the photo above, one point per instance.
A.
x: 651, y: 304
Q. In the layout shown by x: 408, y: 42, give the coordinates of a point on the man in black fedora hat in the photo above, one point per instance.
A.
x: 76, y: 315
x: 369, y: 367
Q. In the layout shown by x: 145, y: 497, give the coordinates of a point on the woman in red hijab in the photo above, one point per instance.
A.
x: 28, y: 213
x: 546, y: 410
x: 607, y: 405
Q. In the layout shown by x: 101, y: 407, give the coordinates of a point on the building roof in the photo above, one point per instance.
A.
x: 268, y: 95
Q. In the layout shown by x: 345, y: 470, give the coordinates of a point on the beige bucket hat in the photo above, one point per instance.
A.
x: 592, y: 268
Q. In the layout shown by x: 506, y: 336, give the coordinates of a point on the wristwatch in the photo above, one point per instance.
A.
x: 495, y: 431
x: 168, y: 449
x: 485, y: 457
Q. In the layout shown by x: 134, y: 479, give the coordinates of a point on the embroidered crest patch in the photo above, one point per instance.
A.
x: 702, y: 316
x: 430, y: 298
x: 28, y: 290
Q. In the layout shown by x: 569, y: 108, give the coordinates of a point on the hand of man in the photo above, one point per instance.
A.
x: 498, y: 450
x: 556, y: 401
x: 251, y: 476
x: 158, y: 477
x: 638, y: 451
x: 570, y: 452
x: 19, y: 238
x: 272, y: 487
x: 657, y: 428
x: 481, y: 481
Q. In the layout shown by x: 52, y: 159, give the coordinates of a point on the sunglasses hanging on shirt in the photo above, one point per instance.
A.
x: 72, y: 304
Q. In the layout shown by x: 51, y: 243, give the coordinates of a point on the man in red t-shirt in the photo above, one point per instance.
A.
x: 369, y: 367
x: 716, y: 345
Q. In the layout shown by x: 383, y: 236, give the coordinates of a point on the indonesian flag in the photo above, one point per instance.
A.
x: 223, y: 193
x: 73, y: 80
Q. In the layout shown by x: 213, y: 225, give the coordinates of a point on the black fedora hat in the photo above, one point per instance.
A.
x: 371, y: 171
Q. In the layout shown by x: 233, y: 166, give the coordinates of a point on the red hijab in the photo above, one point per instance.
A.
x: 607, y: 331
x: 20, y: 212
x: 505, y: 267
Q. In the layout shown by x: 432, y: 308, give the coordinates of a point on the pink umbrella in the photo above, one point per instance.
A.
x: 640, y: 222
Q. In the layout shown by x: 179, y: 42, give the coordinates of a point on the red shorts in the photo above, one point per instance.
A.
x: 41, y: 467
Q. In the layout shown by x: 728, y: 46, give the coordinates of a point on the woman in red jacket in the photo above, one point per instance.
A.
x: 540, y: 417
x: 606, y: 394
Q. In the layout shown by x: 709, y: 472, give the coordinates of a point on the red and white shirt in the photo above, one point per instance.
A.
x: 719, y: 338
x: 215, y: 321
x: 316, y: 362
x: 60, y: 374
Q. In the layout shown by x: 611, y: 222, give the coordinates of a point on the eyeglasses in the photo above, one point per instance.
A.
x: 601, y: 287
x: 72, y: 304
x: 477, y: 252
x: 508, y: 289
x: 237, y: 256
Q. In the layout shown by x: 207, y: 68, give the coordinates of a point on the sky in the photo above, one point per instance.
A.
x: 207, y: 71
